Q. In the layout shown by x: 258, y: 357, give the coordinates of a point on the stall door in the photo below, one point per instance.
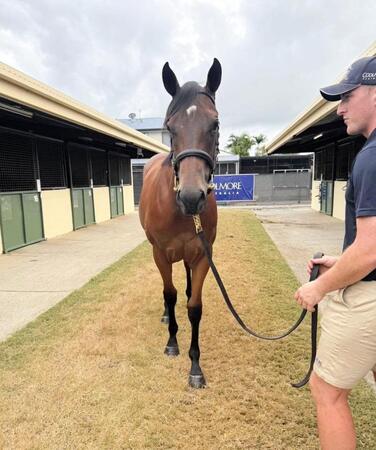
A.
x: 116, y: 182
x: 20, y: 201
x: 82, y: 192
x: 83, y: 207
x: 116, y: 198
x: 326, y: 197
x: 21, y: 219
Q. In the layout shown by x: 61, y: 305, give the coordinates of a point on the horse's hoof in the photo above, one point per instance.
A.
x: 197, y: 381
x: 171, y: 351
x: 165, y: 320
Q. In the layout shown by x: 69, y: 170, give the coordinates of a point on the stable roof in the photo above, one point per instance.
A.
x: 18, y: 87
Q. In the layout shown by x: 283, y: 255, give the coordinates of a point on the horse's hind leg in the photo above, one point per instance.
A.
x: 188, y: 291
x: 169, y: 294
x: 196, y: 377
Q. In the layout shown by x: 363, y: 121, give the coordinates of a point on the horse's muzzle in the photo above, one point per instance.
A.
x: 191, y: 201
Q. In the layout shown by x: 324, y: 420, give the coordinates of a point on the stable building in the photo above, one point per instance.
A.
x: 153, y: 127
x: 63, y: 165
x: 319, y: 130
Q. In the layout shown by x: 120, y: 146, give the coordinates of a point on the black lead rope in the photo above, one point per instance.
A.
x: 314, y: 275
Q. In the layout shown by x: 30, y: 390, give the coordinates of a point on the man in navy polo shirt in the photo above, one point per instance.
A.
x: 347, y: 347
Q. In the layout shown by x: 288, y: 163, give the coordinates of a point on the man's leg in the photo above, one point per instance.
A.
x: 334, y: 419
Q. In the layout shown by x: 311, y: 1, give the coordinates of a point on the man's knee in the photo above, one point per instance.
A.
x: 324, y: 393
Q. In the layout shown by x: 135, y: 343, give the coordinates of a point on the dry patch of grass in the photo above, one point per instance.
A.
x: 91, y: 373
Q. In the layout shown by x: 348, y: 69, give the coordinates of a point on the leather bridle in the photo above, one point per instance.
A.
x: 211, y: 161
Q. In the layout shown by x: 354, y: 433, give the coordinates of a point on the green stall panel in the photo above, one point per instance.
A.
x: 89, y: 206
x: 120, y: 202
x: 113, y: 201
x: 21, y: 219
x: 33, y: 217
x: 326, y: 197
x: 12, y: 221
x: 83, y: 207
x: 116, y: 201
x: 78, y: 209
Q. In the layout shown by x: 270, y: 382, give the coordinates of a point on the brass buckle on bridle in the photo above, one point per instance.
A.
x: 176, y: 183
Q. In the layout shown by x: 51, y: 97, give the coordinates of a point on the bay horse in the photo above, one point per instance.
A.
x: 176, y: 187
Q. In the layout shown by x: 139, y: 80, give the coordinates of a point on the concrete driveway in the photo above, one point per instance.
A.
x: 299, y: 232
x: 36, y: 277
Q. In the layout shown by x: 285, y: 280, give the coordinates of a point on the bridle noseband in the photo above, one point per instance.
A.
x: 175, y: 161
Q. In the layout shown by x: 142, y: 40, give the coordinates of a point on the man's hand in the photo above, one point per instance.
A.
x: 326, y: 262
x: 309, y: 295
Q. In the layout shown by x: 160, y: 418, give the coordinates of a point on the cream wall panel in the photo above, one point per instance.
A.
x: 128, y: 199
x: 339, y: 202
x: 315, y: 200
x: 57, y: 212
x: 102, y: 204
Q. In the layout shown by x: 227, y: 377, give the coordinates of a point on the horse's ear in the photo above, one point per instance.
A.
x: 214, y: 76
x: 169, y: 80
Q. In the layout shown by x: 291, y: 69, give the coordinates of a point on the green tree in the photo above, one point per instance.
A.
x: 241, y: 145
x: 260, y: 144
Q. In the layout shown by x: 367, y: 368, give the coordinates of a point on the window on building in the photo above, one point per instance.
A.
x: 125, y: 170
x: 99, y: 167
x: 18, y: 170
x: 324, y: 163
x: 79, y: 166
x: 114, y: 162
x: 51, y: 163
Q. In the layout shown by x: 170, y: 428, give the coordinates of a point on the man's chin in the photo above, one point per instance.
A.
x: 350, y: 131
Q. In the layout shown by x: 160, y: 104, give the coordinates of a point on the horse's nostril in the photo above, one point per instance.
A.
x: 192, y: 201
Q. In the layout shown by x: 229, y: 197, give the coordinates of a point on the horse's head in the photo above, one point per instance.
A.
x: 192, y: 121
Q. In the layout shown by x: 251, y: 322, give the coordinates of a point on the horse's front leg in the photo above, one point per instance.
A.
x: 169, y: 295
x: 188, y: 290
x: 196, y: 377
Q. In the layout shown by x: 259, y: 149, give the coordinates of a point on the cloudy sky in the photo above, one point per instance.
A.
x: 109, y: 54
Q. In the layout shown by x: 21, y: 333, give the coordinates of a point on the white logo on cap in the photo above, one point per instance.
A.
x: 369, y: 76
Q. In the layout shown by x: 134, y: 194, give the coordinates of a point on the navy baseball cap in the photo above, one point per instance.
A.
x: 361, y: 72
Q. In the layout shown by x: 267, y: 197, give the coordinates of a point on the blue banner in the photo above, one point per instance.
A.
x: 234, y: 188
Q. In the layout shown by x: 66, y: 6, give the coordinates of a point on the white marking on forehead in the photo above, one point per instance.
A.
x: 191, y: 110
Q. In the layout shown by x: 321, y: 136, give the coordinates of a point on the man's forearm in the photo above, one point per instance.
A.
x: 355, y: 263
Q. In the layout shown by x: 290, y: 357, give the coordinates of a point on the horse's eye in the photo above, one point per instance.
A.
x: 215, y: 127
x: 170, y: 130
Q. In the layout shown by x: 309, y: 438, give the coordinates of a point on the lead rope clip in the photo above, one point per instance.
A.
x: 197, y: 222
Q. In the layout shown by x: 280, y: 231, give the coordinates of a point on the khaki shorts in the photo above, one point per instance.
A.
x: 347, y: 347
